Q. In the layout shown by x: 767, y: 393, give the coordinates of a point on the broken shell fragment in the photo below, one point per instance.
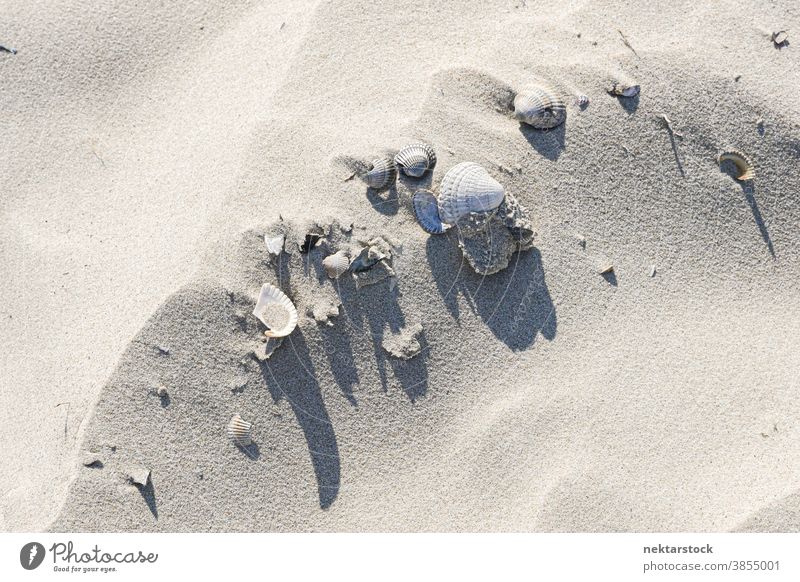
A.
x: 416, y: 159
x: 624, y: 89
x: 239, y: 431
x: 468, y: 188
x: 381, y: 174
x: 274, y: 243
x: 336, y: 264
x: 275, y: 310
x: 780, y: 38
x: 743, y: 165
x: 539, y: 106
x: 426, y: 209
x: 606, y: 269
x: 139, y: 476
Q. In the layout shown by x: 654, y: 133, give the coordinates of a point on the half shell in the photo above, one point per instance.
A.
x: 336, y: 264
x: 275, y: 310
x: 382, y: 173
x: 426, y: 209
x: 468, y: 188
x: 416, y: 159
x: 539, y: 106
x: 239, y: 431
x: 624, y: 89
x: 746, y: 169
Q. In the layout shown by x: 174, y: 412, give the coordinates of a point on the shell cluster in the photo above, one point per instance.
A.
x: 272, y: 300
x: 415, y: 159
x: 239, y: 431
x: 539, y: 106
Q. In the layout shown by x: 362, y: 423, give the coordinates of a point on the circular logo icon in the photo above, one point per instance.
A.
x: 31, y: 555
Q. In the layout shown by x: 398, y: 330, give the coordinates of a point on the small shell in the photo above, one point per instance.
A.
x: 582, y: 101
x: 624, y: 89
x: 426, y: 209
x: 416, y: 159
x: 539, y: 106
x: 239, y: 431
x: 381, y: 174
x: 336, y: 264
x: 468, y: 188
x: 606, y: 268
x: 271, y: 297
x: 746, y: 169
x: 274, y: 243
x: 780, y: 38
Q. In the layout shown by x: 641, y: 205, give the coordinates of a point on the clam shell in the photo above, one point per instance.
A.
x: 272, y: 296
x: 426, y: 209
x: 239, y: 431
x: 468, y: 188
x: 336, y: 264
x: 746, y: 169
x: 381, y: 174
x: 624, y: 89
x: 416, y: 159
x: 539, y: 106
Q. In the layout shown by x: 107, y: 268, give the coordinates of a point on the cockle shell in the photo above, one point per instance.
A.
x: 416, y: 159
x: 426, y: 209
x: 539, y: 106
x: 239, y: 431
x: 381, y: 174
x: 336, y: 264
x: 467, y: 188
x: 746, y: 169
x: 274, y: 308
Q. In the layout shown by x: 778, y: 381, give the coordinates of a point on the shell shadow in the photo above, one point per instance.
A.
x: 385, y: 201
x: 749, y: 194
x: 289, y: 375
x: 252, y: 451
x: 548, y: 142
x: 148, y: 493
x: 610, y: 277
x: 339, y: 351
x: 629, y: 104
x: 515, y: 303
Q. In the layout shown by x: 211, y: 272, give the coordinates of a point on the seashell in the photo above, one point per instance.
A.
x: 624, y: 89
x: 746, y: 169
x: 274, y: 243
x: 468, y: 188
x: 239, y: 431
x: 139, y: 475
x: 426, y: 209
x: 381, y: 174
x: 336, y: 264
x: 275, y: 309
x: 415, y: 159
x: 780, y: 38
x: 539, y: 106
x: 582, y: 101
x: 606, y: 268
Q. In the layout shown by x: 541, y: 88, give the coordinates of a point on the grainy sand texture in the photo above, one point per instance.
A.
x: 149, y: 148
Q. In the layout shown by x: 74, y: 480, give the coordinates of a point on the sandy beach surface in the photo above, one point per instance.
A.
x: 149, y: 149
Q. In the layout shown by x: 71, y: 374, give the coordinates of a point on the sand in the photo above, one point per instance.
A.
x: 149, y: 151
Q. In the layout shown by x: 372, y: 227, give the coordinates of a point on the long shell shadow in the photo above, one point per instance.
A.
x: 289, y: 374
x: 749, y: 193
x: 629, y: 104
x: 515, y: 303
x: 148, y: 493
x: 339, y: 351
x: 548, y: 142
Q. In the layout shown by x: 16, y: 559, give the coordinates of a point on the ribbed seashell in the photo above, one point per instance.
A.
x: 336, y: 264
x: 468, y: 188
x: 270, y: 297
x: 624, y: 89
x: 746, y: 169
x: 426, y: 209
x: 382, y: 174
x: 539, y: 106
x: 239, y: 431
x: 416, y: 159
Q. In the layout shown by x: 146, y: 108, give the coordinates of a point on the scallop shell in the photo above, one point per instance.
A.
x: 539, y: 106
x: 468, y: 188
x: 426, y: 209
x: 239, y: 431
x: 624, y: 89
x: 746, y: 169
x: 336, y: 264
x: 415, y: 159
x: 381, y: 174
x: 270, y: 296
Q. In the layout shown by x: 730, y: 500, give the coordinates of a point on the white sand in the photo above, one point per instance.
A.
x: 148, y: 151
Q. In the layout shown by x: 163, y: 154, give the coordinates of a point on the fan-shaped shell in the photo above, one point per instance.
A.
x: 416, y: 159
x: 426, y: 209
x: 746, y: 169
x: 468, y: 188
x: 269, y: 298
x: 239, y: 431
x: 539, y: 106
x: 382, y: 174
x: 336, y: 264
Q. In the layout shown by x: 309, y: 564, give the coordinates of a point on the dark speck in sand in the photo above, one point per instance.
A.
x: 12, y: 51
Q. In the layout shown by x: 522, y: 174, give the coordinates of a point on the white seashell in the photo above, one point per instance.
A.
x: 336, y: 264
x: 274, y: 243
x: 415, y: 159
x: 381, y: 174
x: 582, y: 101
x: 745, y: 167
x: 239, y: 431
x: 539, y: 106
x: 270, y: 301
x: 139, y: 475
x: 468, y: 188
x: 426, y: 209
